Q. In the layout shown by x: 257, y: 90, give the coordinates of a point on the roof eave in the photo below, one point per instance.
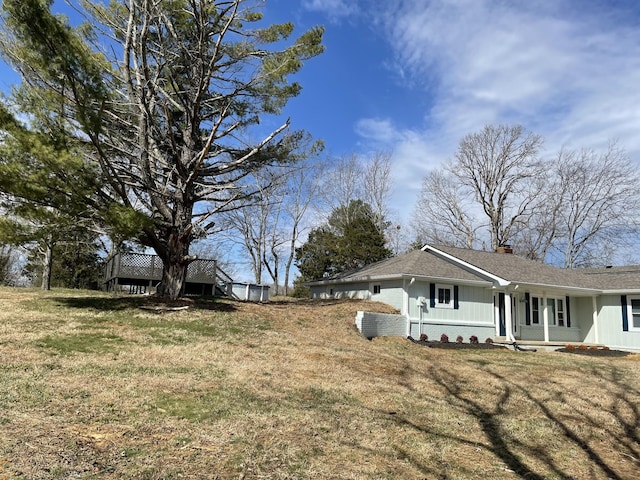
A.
x: 400, y: 276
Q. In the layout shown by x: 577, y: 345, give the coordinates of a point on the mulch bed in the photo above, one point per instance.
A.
x: 595, y: 353
x: 458, y: 346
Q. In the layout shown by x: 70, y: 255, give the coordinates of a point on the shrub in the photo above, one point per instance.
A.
x: 593, y: 347
x: 570, y: 347
x: 605, y: 348
x: 474, y: 339
x: 444, y: 338
x: 459, y: 339
x: 582, y: 347
x: 424, y: 337
x: 489, y: 340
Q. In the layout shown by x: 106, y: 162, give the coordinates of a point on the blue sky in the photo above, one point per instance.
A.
x: 413, y: 77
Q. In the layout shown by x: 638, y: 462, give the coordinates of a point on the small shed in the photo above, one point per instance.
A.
x: 142, y: 272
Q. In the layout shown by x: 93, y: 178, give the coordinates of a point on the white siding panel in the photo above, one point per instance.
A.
x: 390, y: 293
x: 610, y: 331
x: 476, y: 306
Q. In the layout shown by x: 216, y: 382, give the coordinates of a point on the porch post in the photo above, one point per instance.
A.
x: 507, y: 317
x: 496, y: 312
x: 545, y: 317
x: 594, y: 306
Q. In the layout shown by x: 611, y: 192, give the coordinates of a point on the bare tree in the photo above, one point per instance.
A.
x: 497, y: 166
x: 268, y: 226
x: 353, y: 178
x: 376, y: 187
x: 8, y: 262
x: 342, y: 183
x: 249, y: 223
x: 443, y: 215
x: 304, y: 183
x: 597, y: 190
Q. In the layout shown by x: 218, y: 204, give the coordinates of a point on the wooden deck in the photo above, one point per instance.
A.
x: 142, y: 273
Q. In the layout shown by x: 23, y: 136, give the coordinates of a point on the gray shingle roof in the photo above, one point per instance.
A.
x: 518, y: 269
x: 615, y: 278
x: 510, y: 267
x: 415, y: 263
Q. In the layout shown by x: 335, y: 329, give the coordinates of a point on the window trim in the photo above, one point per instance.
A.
x: 535, y: 313
x: 631, y: 326
x: 444, y: 287
x: 376, y: 289
x: 554, y: 317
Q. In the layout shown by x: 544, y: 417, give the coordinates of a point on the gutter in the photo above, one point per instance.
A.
x: 401, y: 276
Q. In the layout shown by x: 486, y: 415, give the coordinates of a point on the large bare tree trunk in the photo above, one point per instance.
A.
x: 47, y: 265
x: 175, y: 262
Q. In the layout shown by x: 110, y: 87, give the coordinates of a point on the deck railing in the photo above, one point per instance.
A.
x: 140, y: 266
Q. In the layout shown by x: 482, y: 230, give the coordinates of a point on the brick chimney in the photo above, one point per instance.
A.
x: 504, y: 249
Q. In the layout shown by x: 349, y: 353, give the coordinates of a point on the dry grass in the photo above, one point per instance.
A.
x: 93, y: 386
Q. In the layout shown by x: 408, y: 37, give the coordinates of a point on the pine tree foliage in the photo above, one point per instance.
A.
x: 165, y: 100
x: 350, y: 239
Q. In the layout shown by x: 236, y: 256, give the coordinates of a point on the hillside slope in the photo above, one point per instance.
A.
x: 94, y: 386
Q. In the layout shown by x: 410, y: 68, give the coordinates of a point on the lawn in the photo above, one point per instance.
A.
x: 96, y: 386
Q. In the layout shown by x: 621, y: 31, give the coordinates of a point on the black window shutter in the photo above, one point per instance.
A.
x: 625, y: 317
x: 432, y: 294
x: 456, y: 304
x: 527, y: 309
x: 568, y: 312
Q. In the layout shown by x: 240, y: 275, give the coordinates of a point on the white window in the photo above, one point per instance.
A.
x: 444, y: 296
x: 535, y: 310
x: 560, y: 312
x: 634, y: 313
x: 555, y: 311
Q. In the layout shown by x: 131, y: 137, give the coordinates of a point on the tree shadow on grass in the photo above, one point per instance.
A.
x: 576, y: 416
x: 148, y: 303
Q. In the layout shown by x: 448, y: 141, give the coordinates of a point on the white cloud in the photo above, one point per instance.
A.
x: 334, y: 9
x: 558, y: 68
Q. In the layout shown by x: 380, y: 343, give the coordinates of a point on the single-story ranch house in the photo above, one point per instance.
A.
x: 496, y: 295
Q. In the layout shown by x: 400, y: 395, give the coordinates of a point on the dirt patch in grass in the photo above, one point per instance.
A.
x: 290, y: 389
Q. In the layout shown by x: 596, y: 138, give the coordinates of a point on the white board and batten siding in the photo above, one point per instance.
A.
x: 474, y: 315
x: 388, y: 292
x: 351, y: 290
x: 391, y: 293
x: 611, y: 326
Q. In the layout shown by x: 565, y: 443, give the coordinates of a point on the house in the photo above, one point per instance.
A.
x: 497, y: 295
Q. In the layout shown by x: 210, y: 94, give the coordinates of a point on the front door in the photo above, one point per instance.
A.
x: 514, y: 314
x: 502, y: 315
